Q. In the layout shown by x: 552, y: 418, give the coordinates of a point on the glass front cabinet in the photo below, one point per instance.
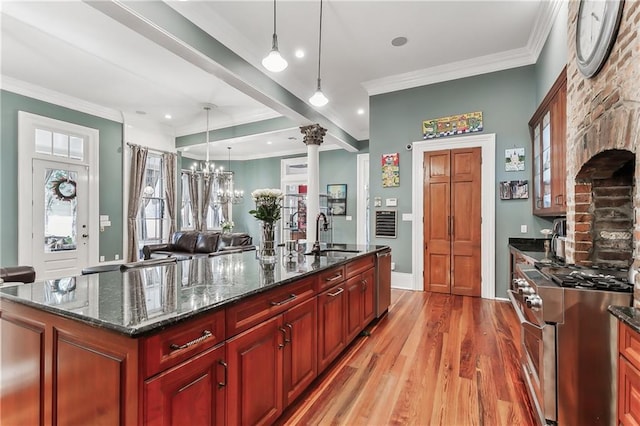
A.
x: 548, y: 135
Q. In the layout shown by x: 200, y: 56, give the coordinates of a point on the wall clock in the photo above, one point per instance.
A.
x: 598, y: 23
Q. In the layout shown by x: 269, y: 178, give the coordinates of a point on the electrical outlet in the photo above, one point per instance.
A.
x: 117, y: 256
x: 523, y: 229
x: 101, y: 258
x: 393, y: 266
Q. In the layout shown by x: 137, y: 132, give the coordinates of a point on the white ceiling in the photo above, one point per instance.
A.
x: 75, y: 50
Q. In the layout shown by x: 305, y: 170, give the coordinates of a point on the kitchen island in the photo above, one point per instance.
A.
x: 214, y: 340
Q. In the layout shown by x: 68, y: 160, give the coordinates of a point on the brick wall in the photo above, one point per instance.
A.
x: 603, y: 113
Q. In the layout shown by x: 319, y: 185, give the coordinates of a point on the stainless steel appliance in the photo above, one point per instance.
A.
x: 559, y: 238
x: 568, y: 340
x: 383, y: 282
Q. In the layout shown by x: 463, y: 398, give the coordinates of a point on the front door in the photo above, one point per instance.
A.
x: 452, y: 221
x: 59, y: 222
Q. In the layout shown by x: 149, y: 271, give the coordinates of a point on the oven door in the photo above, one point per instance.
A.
x: 538, y: 362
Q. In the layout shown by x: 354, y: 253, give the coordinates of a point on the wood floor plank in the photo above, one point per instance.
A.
x: 435, y: 359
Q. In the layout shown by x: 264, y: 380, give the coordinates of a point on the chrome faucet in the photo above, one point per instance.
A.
x: 316, y: 245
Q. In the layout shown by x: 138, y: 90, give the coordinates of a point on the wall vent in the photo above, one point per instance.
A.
x: 386, y: 224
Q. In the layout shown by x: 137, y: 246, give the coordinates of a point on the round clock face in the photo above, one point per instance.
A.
x: 598, y: 22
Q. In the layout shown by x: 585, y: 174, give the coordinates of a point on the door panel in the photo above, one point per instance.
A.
x: 436, y: 221
x: 60, y: 219
x: 452, y: 222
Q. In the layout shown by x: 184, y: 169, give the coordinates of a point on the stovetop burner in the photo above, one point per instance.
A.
x: 587, y: 280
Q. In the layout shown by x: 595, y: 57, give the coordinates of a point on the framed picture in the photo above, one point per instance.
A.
x: 514, y: 189
x: 337, y: 199
x: 514, y: 159
x: 390, y: 170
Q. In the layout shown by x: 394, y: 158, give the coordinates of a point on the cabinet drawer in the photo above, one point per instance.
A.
x: 629, y: 344
x: 176, y: 344
x: 256, y: 309
x: 330, y: 277
x: 359, y: 265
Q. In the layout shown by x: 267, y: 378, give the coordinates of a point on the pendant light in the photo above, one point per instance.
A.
x: 274, y: 62
x: 319, y: 99
x: 207, y: 167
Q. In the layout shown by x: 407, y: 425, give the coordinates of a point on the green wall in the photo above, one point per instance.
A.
x: 110, y: 181
x: 506, y: 98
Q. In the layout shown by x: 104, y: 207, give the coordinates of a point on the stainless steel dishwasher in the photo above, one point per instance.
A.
x: 383, y: 281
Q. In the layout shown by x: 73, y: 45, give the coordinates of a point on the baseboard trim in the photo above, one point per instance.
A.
x: 402, y: 281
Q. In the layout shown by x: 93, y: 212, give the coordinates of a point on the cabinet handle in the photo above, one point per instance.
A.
x: 284, y: 339
x: 224, y: 365
x: 449, y: 225
x: 340, y: 290
x: 559, y: 197
x: 335, y: 277
x: 364, y: 285
x: 205, y: 335
x: 287, y: 300
x: 290, y: 327
x: 538, y: 203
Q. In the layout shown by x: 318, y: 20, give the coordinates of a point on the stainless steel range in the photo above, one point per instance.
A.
x: 568, y: 340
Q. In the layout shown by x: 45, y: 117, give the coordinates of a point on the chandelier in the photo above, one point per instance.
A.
x: 222, y: 180
x: 225, y: 192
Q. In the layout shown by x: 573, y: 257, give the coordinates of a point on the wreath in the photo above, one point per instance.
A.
x: 64, y: 189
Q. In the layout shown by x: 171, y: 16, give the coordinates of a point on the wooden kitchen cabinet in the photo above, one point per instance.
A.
x: 184, y: 394
x: 548, y: 135
x: 628, y: 376
x: 332, y: 332
x: 360, y: 302
x: 271, y: 364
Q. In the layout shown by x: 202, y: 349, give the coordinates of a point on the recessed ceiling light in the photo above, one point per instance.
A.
x: 167, y: 116
x: 269, y: 142
x: 299, y: 53
x: 399, y: 41
x: 360, y: 111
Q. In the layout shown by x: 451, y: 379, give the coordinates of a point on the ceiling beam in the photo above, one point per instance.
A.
x: 168, y: 28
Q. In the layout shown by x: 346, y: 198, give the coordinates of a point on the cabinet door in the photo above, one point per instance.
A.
x: 354, y: 294
x: 629, y: 393
x: 255, y: 374
x: 331, y: 325
x: 192, y: 393
x: 301, y: 349
x: 368, y: 299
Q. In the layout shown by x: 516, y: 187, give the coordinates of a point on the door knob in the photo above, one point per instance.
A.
x: 85, y: 235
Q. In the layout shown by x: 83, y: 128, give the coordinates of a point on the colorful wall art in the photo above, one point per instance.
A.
x: 514, y: 159
x: 390, y: 170
x: 453, y: 125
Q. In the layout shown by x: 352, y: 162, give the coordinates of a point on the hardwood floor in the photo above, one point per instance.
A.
x: 433, y: 360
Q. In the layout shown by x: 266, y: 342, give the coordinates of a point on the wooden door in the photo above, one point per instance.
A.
x: 301, y: 350
x: 331, y: 325
x: 452, y: 221
x: 254, y: 390
x: 191, y: 393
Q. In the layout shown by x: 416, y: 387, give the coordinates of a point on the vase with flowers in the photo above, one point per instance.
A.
x: 227, y: 226
x: 268, y: 208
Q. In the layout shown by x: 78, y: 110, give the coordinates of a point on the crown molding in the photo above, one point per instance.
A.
x: 547, y: 13
x: 451, y: 71
x: 23, y: 88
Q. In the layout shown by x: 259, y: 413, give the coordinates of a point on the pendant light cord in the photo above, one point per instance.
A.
x: 207, y: 136
x: 274, y: 17
x: 320, y: 45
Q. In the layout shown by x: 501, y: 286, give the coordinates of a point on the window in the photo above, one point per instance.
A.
x: 152, y: 218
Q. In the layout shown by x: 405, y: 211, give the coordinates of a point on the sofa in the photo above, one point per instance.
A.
x: 187, y: 244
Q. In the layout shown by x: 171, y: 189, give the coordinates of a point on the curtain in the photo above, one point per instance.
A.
x: 207, y: 185
x: 136, y: 176
x: 169, y: 295
x: 193, y: 194
x: 170, y: 194
x: 137, y: 301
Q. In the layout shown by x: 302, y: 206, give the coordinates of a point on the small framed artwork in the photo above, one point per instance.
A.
x: 390, y: 170
x: 514, y: 189
x: 514, y: 159
x: 337, y: 199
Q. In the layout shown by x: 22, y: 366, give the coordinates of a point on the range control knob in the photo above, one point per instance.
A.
x: 533, y: 302
x: 528, y: 290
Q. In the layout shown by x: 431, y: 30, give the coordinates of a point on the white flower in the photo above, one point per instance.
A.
x: 266, y: 193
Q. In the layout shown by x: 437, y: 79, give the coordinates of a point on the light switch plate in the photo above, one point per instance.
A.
x: 391, y: 202
x: 523, y: 229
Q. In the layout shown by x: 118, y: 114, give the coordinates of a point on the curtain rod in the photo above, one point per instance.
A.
x: 131, y: 145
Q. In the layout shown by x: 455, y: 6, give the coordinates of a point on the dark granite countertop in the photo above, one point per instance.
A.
x: 143, y: 300
x: 628, y: 315
x: 533, y: 248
